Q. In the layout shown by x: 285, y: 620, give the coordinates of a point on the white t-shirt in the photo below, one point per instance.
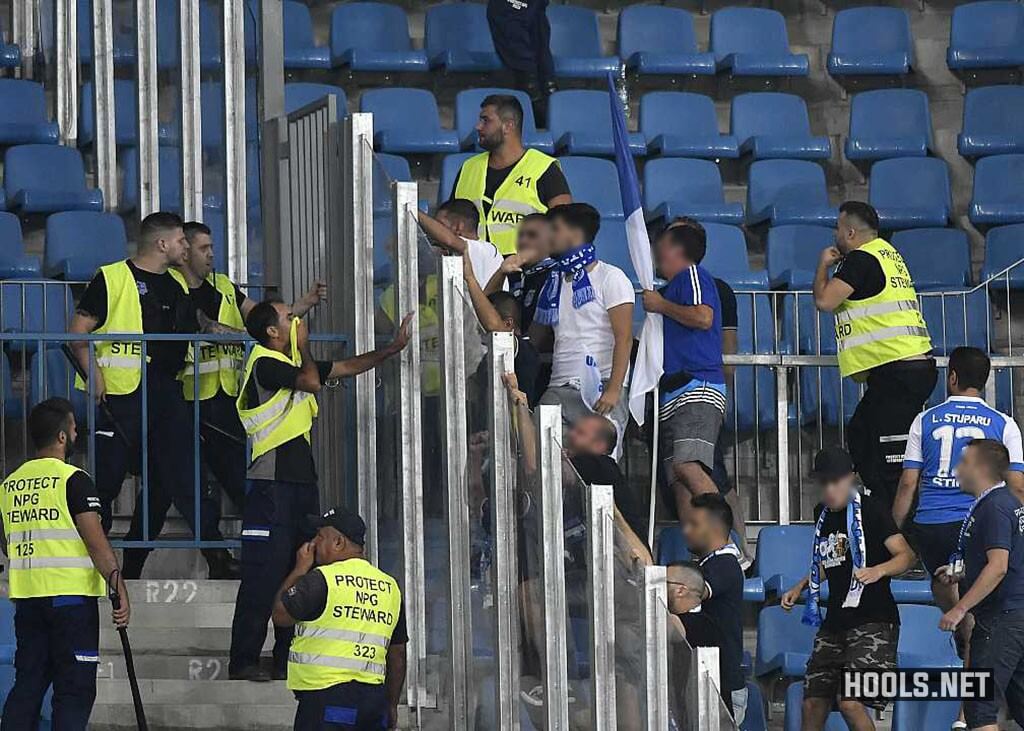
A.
x: 485, y: 259
x: 588, y: 330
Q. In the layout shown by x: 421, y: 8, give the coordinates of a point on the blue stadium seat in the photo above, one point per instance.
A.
x: 212, y: 113
x: 14, y: 262
x: 7, y: 638
x: 211, y: 54
x: 672, y: 547
x: 1004, y: 246
x: 788, y: 191
x: 751, y: 403
x: 783, y: 642
x: 676, y: 186
x: 681, y: 124
x: 467, y: 112
x: 754, y: 42
x: 458, y: 38
x: 576, y: 44
x: 47, y: 179
x: 595, y: 181
x: 655, y: 39
x: 301, y: 51
x: 450, y: 166
x: 34, y: 307
x: 406, y: 120
x: 986, y: 35
x: 910, y: 192
x: 889, y: 123
x: 783, y: 555
x: 794, y: 711
x: 938, y: 258
x: 78, y: 242
x: 993, y: 121
x: 370, y: 36
x: 922, y: 644
x: 956, y: 318
x: 756, y: 719
x: 773, y: 125
x: 613, y: 248
x: 871, y: 42
x: 52, y: 375
x: 998, y: 191
x: 13, y: 408
x: 916, y: 715
x: 23, y: 115
x: 792, y: 254
x: 169, y: 161
x: 124, y: 38
x: 581, y: 124
x: 298, y: 94
x: 726, y: 255
x: 126, y: 116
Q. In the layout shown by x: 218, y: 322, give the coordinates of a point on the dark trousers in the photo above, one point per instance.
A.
x: 877, y: 433
x: 997, y: 642
x: 522, y: 38
x: 222, y: 456
x: 350, y: 706
x: 274, y: 525
x: 58, y: 641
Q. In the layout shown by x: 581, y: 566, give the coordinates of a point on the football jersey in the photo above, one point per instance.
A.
x: 937, y: 437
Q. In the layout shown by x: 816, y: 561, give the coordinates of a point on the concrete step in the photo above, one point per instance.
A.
x: 182, y: 591
x: 185, y: 616
x: 174, y: 717
x: 172, y: 641
x: 195, y: 692
x: 213, y: 666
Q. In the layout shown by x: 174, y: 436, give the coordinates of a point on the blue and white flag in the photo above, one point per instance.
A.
x: 650, y: 356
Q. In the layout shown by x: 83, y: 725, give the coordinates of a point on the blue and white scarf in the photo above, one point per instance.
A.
x: 518, y: 280
x: 574, y: 263
x: 956, y: 559
x: 858, y: 552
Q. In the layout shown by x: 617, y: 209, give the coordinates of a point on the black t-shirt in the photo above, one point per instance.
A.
x: 307, y: 599
x: 727, y: 299
x: 997, y: 523
x: 876, y: 603
x: 550, y: 184
x: 527, y: 367
x: 719, y: 623
x: 526, y: 288
x: 293, y: 460
x: 205, y: 297
x: 603, y: 470
x: 166, y: 308
x: 81, y: 494
x: 861, y: 271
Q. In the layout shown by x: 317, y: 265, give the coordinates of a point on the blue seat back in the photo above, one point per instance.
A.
x: 398, y: 108
x: 450, y: 166
x: 655, y: 29
x: 22, y: 102
x: 52, y: 376
x: 785, y: 550
x: 467, y: 111
x: 396, y: 166
x: 757, y: 31
x: 580, y: 110
x: 918, y: 715
x: 458, y: 25
x: 34, y: 307
x: 298, y: 94
x: 679, y: 179
x: 780, y: 631
x: 863, y: 31
x: 751, y: 403
x: 995, y: 110
x: 769, y: 113
x: 920, y: 634
x: 999, y: 179
x: 938, y: 258
x: 889, y: 114
x: 672, y: 546
x: 909, y: 182
x: 370, y: 26
x: 12, y: 245
x: 298, y: 26
x: 993, y: 24
x: 53, y: 168
x: 786, y: 182
x: 170, y: 179
x: 574, y: 31
x: 596, y: 181
x: 613, y: 248
x: 677, y: 112
x: 793, y: 252
x: 726, y: 254
x: 1004, y: 246
x: 212, y: 112
x: 96, y: 238
x: 126, y: 113
x: 955, y: 319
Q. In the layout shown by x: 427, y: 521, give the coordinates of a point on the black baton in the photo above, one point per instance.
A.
x: 115, y: 600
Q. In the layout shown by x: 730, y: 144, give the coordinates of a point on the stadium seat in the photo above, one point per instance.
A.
x: 993, y: 121
x: 1004, y: 246
x: 124, y: 38
x: 581, y: 124
x: 788, y: 191
x: 655, y: 39
x: 126, y: 116
x: 754, y: 42
x: 394, y: 168
x: 34, y: 307
x: 13, y: 408
x: 450, y: 166
x: 792, y: 254
x: 406, y: 120
x: 8, y: 640
x: 726, y: 255
x: 47, y: 179
x: 783, y: 555
x: 211, y: 47
x: 681, y: 124
x: 986, y: 35
x: 910, y: 192
x: 938, y: 258
x: 169, y: 162
x: 576, y: 44
x: 212, y: 113
x: 756, y: 719
x: 918, y: 714
x: 612, y: 247
x: 458, y: 38
x: 51, y: 376
x: 783, y: 642
x: 595, y: 181
x: 750, y: 405
x: 301, y: 51
x: 672, y: 548
x: 922, y: 644
x: 676, y: 186
x: 794, y: 711
x: 78, y: 242
x: 889, y: 123
x: 370, y: 36
x: 14, y: 262
x: 298, y: 94
x: 23, y: 114
x: 773, y: 125
x: 871, y: 42
x: 954, y: 319
x: 467, y: 113
x: 998, y: 191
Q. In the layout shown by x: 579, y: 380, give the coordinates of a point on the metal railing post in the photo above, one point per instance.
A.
x: 105, y: 141
x: 709, y: 700
x: 148, y: 139
x: 271, y: 99
x: 235, y: 139
x: 66, y: 53
x: 191, y: 113
x: 782, y: 443
x: 656, y: 647
x: 601, y: 603
x: 23, y: 33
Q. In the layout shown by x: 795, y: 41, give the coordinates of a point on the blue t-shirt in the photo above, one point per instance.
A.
x: 937, y: 438
x: 689, y: 351
x: 997, y: 522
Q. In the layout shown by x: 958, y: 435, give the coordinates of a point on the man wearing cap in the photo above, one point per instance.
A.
x: 347, y: 660
x: 857, y: 549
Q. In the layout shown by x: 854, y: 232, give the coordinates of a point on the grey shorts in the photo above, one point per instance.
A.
x: 690, y: 434
x: 573, y: 407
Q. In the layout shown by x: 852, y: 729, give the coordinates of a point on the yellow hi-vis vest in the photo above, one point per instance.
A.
x: 120, y: 361
x: 514, y: 199
x: 220, y: 364
x: 47, y: 555
x: 885, y: 328
x: 285, y: 415
x: 349, y: 641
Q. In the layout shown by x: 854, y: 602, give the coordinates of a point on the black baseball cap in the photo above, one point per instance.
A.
x: 346, y: 522
x: 832, y: 463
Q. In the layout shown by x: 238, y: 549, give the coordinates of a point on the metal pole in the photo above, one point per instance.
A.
x: 709, y: 700
x: 601, y: 603
x: 191, y: 114
x: 656, y: 647
x: 235, y: 139
x: 271, y: 59
x: 782, y: 443
x: 105, y: 142
x: 66, y: 53
x: 146, y: 70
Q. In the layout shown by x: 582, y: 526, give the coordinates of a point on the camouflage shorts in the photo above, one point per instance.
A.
x: 870, y: 646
